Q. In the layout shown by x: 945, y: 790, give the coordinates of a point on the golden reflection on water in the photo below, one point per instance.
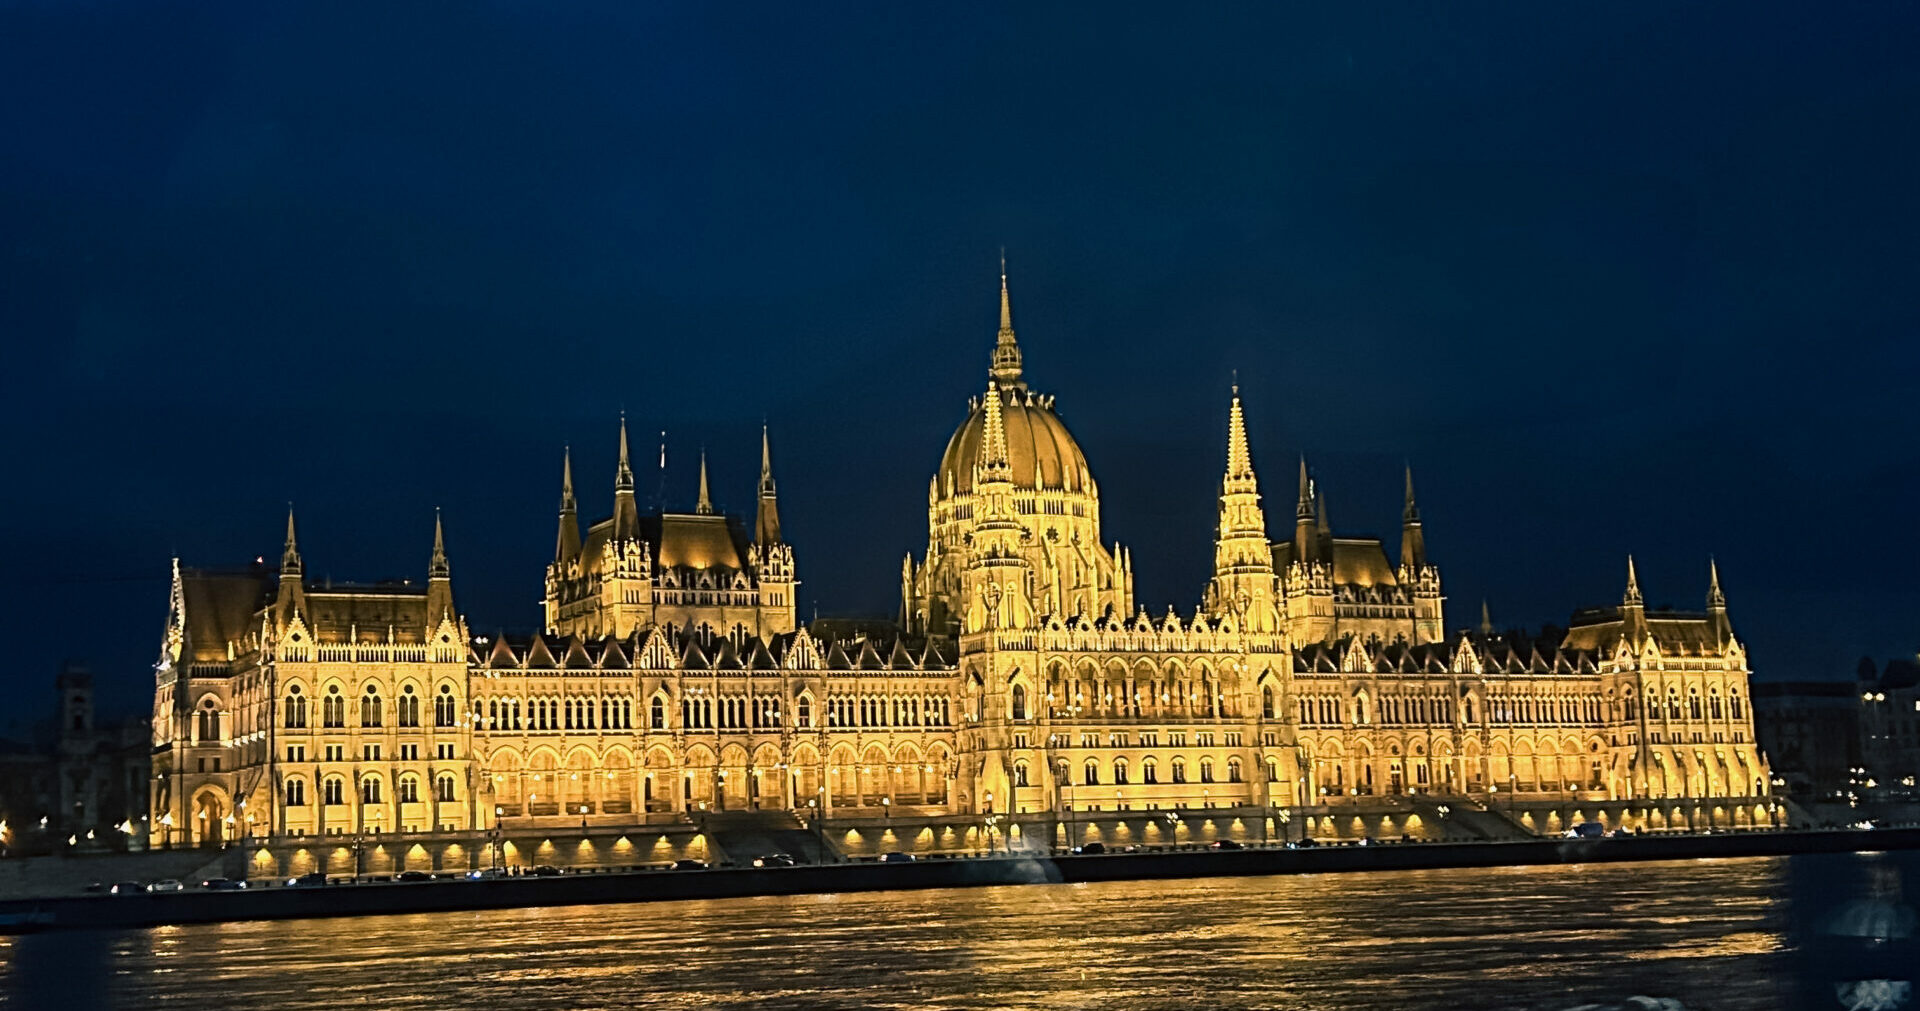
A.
x: 1706, y: 933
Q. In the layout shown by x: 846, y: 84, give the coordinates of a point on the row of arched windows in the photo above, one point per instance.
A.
x: 333, y: 708
x: 890, y: 711
x: 333, y: 790
x: 1149, y: 772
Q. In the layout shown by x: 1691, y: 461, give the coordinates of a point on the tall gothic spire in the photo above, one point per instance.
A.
x: 705, y: 506
x: 1632, y: 597
x: 1005, y: 369
x: 290, y: 552
x: 1715, y: 599
x: 1303, y: 510
x: 1413, y: 539
x: 437, y: 565
x: 626, y: 511
x: 567, y: 543
x: 766, y: 526
x: 1486, y: 618
x: 1239, y: 459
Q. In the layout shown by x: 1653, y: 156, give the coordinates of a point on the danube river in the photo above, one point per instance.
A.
x: 1695, y: 934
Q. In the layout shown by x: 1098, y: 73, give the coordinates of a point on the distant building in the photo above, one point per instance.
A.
x: 79, y: 785
x: 1023, y: 682
x: 1889, y: 731
x: 1810, y: 731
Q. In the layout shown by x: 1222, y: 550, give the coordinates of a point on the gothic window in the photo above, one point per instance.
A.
x: 1233, y: 770
x: 407, y: 790
x: 445, y: 787
x: 409, y: 707
x: 370, y: 707
x: 296, y: 793
x: 296, y: 707
x: 1093, y: 772
x: 1120, y: 770
x: 1149, y: 771
x: 803, y: 712
x: 443, y: 711
x: 1693, y: 704
x: 1019, y: 702
x: 1179, y: 770
x: 1020, y: 774
x: 370, y: 791
x: 209, y: 721
x: 333, y: 792
x: 1713, y: 702
x: 626, y: 714
x: 333, y: 712
x: 1206, y: 770
x: 657, y: 718
x: 1733, y: 704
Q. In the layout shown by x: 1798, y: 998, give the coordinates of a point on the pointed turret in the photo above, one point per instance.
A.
x: 290, y: 564
x: 1413, y: 539
x: 291, y: 594
x: 1633, y: 610
x: 1323, y: 531
x: 1486, y: 618
x: 439, y: 577
x: 994, y: 460
x: 1243, y: 579
x: 1717, y: 606
x: 1005, y: 369
x: 1306, y: 538
x: 1632, y: 597
x: 704, y: 506
x: 567, y: 545
x: 626, y: 511
x: 766, y: 526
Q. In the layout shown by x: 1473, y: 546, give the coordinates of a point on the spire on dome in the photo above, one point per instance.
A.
x: 1005, y: 369
x: 1632, y: 597
x: 290, y: 552
x: 705, y: 506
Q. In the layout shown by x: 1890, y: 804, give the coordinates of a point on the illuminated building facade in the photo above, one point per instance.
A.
x: 1023, y: 682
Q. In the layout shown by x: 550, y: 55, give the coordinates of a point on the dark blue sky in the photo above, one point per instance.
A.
x: 1612, y: 280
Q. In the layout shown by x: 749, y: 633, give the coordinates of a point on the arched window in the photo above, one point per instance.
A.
x: 658, y: 715
x: 333, y: 792
x: 1233, y: 770
x: 409, y: 707
x: 1179, y: 770
x: 370, y: 707
x: 1693, y: 705
x: 296, y: 707
x: 1713, y: 704
x: 333, y: 712
x: 1149, y: 771
x: 370, y: 791
x: 444, y: 787
x: 296, y: 793
x: 1359, y: 709
x: 1120, y: 770
x: 1019, y: 702
x: 1093, y: 772
x: 1266, y: 702
x: 443, y: 707
x: 803, y: 712
x: 1733, y: 704
x: 209, y: 721
x: 1206, y: 770
x: 1020, y: 774
x: 407, y: 790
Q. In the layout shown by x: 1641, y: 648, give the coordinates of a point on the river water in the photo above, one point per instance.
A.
x: 1696, y: 934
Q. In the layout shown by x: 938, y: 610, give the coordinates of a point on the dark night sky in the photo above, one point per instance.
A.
x: 1612, y: 280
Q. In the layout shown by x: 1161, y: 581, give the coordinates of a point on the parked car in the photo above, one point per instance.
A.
x: 313, y: 880
x: 223, y: 885
x: 545, y: 871
x: 774, y: 860
x: 127, y: 888
x: 487, y: 873
x: 1091, y: 849
x: 1304, y: 843
x: 166, y: 885
x: 413, y: 876
x: 1227, y: 844
x: 1587, y: 830
x: 897, y: 857
x: 689, y: 865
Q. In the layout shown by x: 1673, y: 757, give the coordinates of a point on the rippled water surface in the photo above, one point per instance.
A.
x: 1709, y: 934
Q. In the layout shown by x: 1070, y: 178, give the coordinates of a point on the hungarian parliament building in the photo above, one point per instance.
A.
x: 1020, y: 686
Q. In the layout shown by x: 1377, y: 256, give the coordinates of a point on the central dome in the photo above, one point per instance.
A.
x: 1039, y: 447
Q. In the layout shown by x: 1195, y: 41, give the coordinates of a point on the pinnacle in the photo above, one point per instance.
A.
x: 1239, y: 458
x: 705, y: 505
x: 623, y: 476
